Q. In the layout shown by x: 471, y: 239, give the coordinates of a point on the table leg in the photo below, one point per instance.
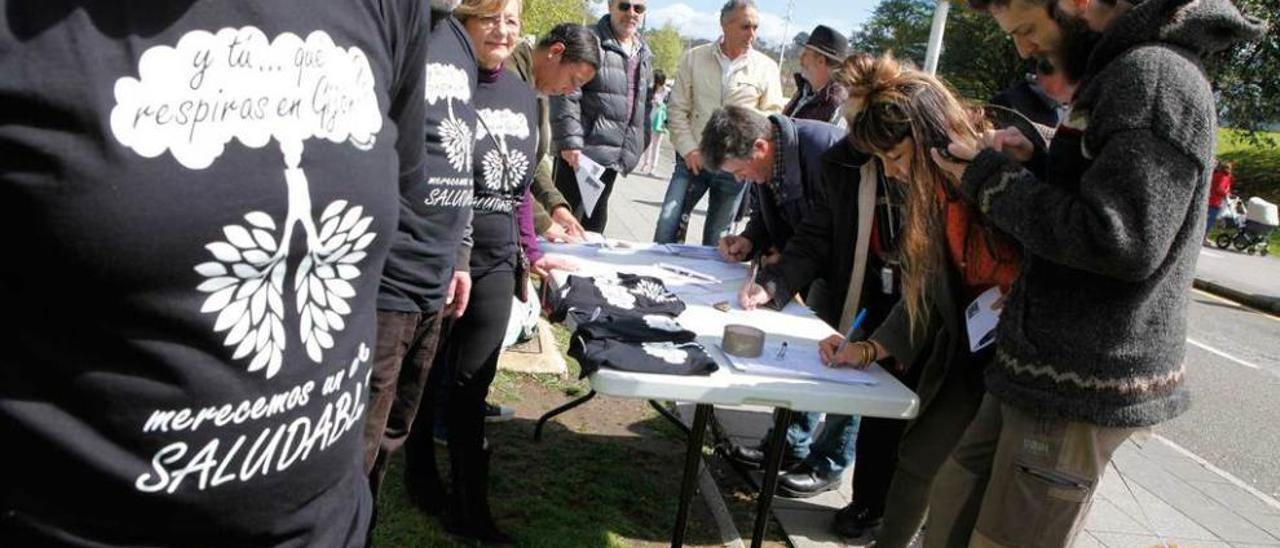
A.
x: 773, y: 462
x: 674, y: 420
x: 692, y: 458
x: 542, y: 421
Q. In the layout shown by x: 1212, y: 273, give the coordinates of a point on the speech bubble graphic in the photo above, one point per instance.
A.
x: 192, y: 100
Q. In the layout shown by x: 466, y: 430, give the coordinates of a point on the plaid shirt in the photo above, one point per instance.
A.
x: 779, y: 169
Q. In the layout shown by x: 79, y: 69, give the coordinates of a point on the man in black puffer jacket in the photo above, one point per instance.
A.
x: 608, y: 120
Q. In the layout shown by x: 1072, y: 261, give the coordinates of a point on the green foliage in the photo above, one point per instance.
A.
x: 667, y: 48
x: 977, y: 58
x: 898, y: 26
x: 540, y: 15
x: 1247, y: 77
x: 1257, y: 171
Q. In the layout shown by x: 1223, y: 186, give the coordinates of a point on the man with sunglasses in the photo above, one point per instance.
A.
x: 607, y: 120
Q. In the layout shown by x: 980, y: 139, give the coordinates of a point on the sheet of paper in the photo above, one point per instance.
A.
x: 801, y: 360
x: 706, y: 252
x: 981, y: 319
x: 589, y: 183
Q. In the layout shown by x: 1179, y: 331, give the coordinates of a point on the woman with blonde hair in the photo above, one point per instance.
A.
x: 502, y: 167
x: 948, y: 255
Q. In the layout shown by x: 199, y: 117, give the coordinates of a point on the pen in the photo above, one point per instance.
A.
x: 688, y: 273
x: 857, y: 322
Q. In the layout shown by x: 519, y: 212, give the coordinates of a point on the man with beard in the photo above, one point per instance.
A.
x: 1091, y: 338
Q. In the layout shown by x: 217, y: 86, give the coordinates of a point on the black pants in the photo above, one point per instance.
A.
x: 567, y: 184
x: 876, y: 453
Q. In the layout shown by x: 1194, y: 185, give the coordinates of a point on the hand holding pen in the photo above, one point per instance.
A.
x: 837, y: 351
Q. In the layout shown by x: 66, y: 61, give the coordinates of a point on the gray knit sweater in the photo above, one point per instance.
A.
x: 1094, y: 330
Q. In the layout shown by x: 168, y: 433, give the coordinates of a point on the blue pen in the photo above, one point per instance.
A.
x: 857, y: 322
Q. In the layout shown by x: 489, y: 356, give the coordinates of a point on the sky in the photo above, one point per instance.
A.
x: 701, y: 18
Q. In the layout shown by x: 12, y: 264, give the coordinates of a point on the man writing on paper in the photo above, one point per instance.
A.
x: 790, y: 162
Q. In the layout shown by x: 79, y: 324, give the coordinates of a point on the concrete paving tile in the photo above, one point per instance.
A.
x: 739, y: 422
x: 1240, y: 545
x: 1267, y: 522
x: 1230, y: 526
x: 1190, y: 470
x: 1086, y: 540
x: 1145, y: 508
x: 809, y: 529
x: 1106, y: 516
x: 1235, y: 498
x: 1122, y: 540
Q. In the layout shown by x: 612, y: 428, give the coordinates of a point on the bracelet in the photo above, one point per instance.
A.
x: 868, y: 353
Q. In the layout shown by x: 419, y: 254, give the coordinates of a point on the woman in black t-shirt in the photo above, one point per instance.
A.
x: 506, y: 136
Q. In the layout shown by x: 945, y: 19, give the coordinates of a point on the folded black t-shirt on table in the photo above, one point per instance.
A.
x: 671, y: 358
x: 624, y: 294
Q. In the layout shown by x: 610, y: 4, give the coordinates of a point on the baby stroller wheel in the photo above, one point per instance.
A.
x: 1223, y: 241
x: 1263, y: 251
x: 1249, y: 251
x: 1241, y: 241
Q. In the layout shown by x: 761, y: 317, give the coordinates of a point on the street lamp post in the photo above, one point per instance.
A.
x: 935, y: 36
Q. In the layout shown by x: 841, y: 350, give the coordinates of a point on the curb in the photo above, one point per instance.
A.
x: 1261, y: 302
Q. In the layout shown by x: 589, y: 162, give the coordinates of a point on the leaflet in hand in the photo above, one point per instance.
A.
x: 590, y: 184
x: 981, y: 319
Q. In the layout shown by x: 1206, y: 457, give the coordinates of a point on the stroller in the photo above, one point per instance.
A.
x: 1251, y: 235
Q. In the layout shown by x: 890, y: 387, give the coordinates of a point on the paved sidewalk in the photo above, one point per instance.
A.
x: 1155, y: 492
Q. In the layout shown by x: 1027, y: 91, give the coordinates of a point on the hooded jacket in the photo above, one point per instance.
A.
x: 1095, y: 328
x: 601, y: 119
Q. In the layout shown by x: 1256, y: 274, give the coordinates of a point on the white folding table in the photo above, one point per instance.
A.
x: 795, y: 324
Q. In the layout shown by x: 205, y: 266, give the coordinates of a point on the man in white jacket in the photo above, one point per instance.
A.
x: 726, y: 72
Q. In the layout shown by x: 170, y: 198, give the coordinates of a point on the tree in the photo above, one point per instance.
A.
x: 540, y: 15
x: 1246, y: 78
x: 977, y: 58
x: 667, y: 48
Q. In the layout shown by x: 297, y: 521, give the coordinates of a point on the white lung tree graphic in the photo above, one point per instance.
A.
x: 450, y: 84
x: 502, y: 175
x: 193, y: 99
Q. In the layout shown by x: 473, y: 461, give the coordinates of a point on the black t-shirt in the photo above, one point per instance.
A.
x: 200, y: 198
x: 433, y: 215
x: 625, y: 294
x: 506, y: 136
x: 667, y: 358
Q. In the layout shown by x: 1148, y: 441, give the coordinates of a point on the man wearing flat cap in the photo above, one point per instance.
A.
x: 818, y: 96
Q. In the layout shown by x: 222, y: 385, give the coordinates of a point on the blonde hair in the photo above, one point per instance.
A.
x: 891, y: 101
x: 484, y: 8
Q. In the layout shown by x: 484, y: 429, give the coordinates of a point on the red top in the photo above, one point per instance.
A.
x: 979, y: 267
x: 1219, y: 187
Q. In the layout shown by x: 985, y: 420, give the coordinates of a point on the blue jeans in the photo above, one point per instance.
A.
x: 684, y: 192
x: 828, y: 453
x: 1213, y: 219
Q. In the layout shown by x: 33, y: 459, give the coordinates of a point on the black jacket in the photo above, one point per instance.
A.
x: 824, y: 106
x: 823, y: 245
x: 777, y: 213
x: 596, y: 119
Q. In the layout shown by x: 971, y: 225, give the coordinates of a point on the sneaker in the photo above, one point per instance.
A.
x: 498, y: 413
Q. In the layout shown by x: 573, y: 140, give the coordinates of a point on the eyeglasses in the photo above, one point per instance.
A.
x: 629, y: 6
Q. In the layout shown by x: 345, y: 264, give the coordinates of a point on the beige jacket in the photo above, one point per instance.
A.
x: 699, y: 91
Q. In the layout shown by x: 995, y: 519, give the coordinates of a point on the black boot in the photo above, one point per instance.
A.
x: 855, y: 521
x: 470, y: 519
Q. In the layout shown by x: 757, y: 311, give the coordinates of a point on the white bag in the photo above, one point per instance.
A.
x: 522, y: 325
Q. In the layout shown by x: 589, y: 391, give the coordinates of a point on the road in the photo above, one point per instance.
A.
x: 1233, y: 370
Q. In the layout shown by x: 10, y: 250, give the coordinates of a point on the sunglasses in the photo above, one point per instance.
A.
x: 628, y: 6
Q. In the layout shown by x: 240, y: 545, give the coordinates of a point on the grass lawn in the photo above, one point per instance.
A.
x: 606, y: 474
